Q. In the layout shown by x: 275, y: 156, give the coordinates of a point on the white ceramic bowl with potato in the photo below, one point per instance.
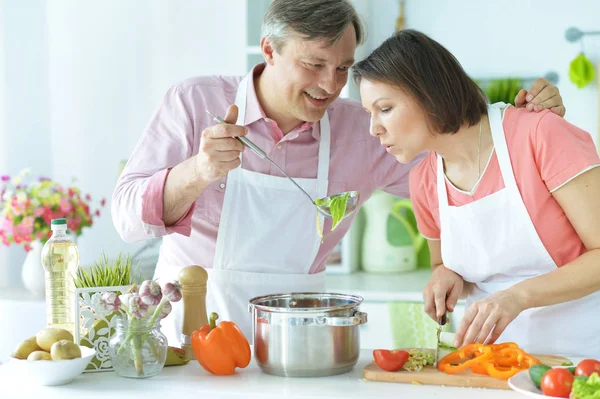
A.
x: 52, y: 372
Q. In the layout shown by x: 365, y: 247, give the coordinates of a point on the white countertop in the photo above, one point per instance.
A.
x: 191, y: 380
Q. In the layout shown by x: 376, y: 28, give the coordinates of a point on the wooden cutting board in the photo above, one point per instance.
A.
x: 432, y: 376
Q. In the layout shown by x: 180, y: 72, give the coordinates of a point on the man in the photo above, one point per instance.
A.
x: 252, y: 229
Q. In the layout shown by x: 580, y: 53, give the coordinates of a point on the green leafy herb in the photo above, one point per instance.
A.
x: 337, y: 209
x: 108, y: 273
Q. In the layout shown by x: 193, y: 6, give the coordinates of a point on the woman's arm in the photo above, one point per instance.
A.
x: 444, y: 287
x: 435, y: 254
x: 580, y: 200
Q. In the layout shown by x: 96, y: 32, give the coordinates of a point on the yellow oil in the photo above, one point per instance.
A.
x: 60, y: 258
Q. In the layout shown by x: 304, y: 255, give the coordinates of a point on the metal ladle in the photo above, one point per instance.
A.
x: 351, y: 203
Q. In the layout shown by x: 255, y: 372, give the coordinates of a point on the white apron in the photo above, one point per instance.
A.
x: 493, y: 243
x: 267, y: 239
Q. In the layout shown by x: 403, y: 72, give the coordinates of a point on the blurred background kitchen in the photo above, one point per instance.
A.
x: 79, y: 80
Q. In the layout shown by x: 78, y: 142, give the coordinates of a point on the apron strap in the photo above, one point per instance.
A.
x: 495, y: 117
x: 324, y: 151
x: 240, y: 100
x: 441, y: 191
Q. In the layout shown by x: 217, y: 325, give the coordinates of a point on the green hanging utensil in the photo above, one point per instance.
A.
x: 581, y: 71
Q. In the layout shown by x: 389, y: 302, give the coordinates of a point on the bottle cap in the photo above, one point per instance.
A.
x: 58, y: 222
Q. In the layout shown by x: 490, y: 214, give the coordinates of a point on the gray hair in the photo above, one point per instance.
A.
x: 311, y: 19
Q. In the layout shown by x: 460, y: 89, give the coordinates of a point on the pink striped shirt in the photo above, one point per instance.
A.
x: 357, y: 162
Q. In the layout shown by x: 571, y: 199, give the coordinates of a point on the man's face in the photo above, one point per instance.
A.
x: 311, y: 74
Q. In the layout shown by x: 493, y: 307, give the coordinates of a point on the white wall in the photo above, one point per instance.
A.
x: 85, y: 78
x: 4, y: 252
x: 26, y: 117
x: 506, y: 37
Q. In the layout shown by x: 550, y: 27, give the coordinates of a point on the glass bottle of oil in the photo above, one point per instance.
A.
x: 60, y: 259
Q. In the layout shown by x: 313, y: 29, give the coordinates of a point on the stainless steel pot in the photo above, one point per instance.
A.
x: 306, y: 334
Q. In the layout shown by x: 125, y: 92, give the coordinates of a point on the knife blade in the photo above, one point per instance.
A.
x: 441, y: 322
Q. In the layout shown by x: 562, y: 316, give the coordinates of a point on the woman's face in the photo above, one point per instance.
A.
x: 396, y: 119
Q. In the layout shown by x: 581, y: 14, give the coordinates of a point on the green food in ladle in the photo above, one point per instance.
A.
x: 337, y: 207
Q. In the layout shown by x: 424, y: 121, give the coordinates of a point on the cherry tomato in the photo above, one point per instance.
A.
x: 587, y: 367
x: 390, y: 360
x: 557, y: 382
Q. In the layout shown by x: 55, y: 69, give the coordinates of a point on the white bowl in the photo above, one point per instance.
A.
x: 52, y: 372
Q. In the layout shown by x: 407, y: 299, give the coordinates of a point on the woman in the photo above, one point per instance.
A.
x: 507, y: 198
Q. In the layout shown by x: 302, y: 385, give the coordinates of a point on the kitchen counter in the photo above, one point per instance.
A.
x: 191, y: 380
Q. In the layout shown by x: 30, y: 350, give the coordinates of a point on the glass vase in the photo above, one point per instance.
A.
x: 138, y: 349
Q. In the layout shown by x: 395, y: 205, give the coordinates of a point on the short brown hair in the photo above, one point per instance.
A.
x: 427, y: 71
x: 311, y: 19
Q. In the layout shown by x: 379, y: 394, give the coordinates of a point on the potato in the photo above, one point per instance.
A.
x: 25, y: 348
x: 64, y: 349
x: 39, y: 355
x: 48, y: 336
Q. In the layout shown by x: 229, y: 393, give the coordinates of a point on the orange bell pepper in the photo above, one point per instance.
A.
x: 221, y: 349
x: 500, y: 361
x: 501, y: 373
x: 464, y: 358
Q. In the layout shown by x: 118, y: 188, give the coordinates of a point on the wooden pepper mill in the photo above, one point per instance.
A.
x: 193, y: 291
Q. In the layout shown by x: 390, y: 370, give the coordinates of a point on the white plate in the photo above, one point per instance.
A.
x: 522, y: 383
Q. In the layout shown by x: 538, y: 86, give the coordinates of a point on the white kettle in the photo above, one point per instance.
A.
x: 391, y: 241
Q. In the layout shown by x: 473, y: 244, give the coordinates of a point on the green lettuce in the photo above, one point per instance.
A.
x: 586, y: 388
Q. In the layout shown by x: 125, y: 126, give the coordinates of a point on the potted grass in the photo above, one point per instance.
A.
x: 94, y: 324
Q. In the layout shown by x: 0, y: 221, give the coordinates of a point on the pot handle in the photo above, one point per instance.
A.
x: 358, y: 319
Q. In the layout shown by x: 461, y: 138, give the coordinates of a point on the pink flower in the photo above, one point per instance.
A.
x: 172, y: 291
x: 88, y: 197
x: 65, y: 205
x: 7, y: 225
x: 72, y: 226
x: 28, y: 221
x: 37, y: 212
x: 17, y: 207
x: 97, y: 212
x: 47, y: 215
x: 5, y: 178
x: 150, y: 292
x: 103, y: 202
